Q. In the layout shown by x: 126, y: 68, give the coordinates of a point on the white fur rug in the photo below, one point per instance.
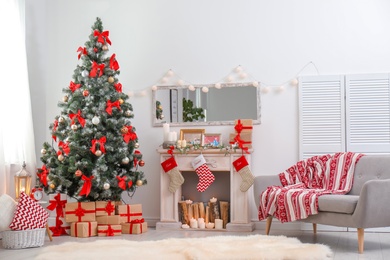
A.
x: 215, y: 247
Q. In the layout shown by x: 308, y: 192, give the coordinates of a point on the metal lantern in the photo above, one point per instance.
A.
x: 22, y: 181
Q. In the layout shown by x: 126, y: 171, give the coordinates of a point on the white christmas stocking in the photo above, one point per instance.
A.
x: 176, y: 178
x: 241, y: 166
x: 205, y: 175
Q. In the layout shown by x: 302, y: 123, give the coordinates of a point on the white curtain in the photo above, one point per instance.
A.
x: 16, y: 127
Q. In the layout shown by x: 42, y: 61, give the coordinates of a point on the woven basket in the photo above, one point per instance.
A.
x: 24, y: 238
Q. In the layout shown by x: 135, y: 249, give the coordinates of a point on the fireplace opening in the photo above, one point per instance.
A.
x: 219, y: 189
x: 208, y: 209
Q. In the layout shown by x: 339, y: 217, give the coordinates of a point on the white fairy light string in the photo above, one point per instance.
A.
x: 237, y: 75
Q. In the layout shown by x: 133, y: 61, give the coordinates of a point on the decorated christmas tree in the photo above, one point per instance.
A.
x: 94, y: 152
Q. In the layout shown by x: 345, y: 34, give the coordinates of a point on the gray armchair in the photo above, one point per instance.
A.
x: 365, y: 206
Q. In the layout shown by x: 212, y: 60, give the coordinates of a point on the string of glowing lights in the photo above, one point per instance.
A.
x: 237, y: 75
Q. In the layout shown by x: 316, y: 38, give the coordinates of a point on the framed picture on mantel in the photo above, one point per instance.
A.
x: 212, y: 140
x: 192, y: 136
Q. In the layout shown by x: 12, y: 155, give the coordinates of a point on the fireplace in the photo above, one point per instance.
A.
x: 225, y: 187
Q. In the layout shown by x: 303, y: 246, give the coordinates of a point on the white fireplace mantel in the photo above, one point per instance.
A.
x: 239, y: 209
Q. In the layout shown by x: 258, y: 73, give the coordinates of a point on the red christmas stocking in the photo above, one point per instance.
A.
x: 170, y: 167
x: 204, y: 173
x: 241, y: 166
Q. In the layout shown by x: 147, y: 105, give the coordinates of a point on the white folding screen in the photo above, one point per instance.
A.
x: 344, y: 113
x: 321, y: 115
x: 368, y: 117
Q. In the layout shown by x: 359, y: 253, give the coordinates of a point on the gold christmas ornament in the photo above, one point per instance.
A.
x: 43, y: 151
x: 139, y: 183
x: 65, y: 98
x: 106, y: 186
x: 61, y: 157
x: 111, y: 79
x: 125, y: 160
x: 74, y: 127
x: 52, y: 186
x: 105, y: 48
x: 136, y: 145
x: 61, y: 119
x: 141, y: 163
x: 124, y: 130
x: 98, y: 153
x: 78, y: 173
x: 121, y: 101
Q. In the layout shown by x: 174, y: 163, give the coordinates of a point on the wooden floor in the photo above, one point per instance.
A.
x: 343, y: 244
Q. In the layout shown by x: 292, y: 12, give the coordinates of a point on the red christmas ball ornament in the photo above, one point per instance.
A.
x: 78, y: 173
x: 86, y: 93
x: 141, y: 163
x: 95, y: 49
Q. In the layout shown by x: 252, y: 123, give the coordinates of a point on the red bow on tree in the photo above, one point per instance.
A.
x: 112, y: 104
x: 86, y: 189
x: 55, y: 125
x: 43, y: 175
x: 130, y: 135
x: 118, y: 87
x: 95, y: 68
x: 102, y: 36
x: 101, y: 143
x: 79, y: 118
x: 114, y: 65
x: 64, y: 147
x: 73, y: 86
x: 82, y: 50
x: 121, y: 182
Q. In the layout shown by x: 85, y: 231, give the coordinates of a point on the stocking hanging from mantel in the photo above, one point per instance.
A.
x: 241, y: 166
x: 206, y: 177
x: 176, y: 178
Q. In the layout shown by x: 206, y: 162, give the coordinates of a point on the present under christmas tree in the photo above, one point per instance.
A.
x: 93, y: 154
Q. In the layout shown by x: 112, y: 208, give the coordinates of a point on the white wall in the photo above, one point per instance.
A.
x: 203, y: 41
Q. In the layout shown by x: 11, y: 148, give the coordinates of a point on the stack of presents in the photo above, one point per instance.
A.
x: 242, y: 136
x: 100, y: 218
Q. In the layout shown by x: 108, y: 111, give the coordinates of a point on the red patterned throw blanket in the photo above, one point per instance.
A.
x: 304, y: 182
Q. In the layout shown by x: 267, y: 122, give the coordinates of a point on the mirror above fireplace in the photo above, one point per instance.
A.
x: 212, y: 104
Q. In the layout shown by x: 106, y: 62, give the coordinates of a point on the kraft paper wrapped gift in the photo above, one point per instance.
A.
x: 108, y: 220
x: 135, y: 227
x: 83, y: 229
x: 129, y: 212
x: 109, y: 230
x: 80, y: 211
x: 243, y: 125
x: 106, y: 208
x: 245, y: 137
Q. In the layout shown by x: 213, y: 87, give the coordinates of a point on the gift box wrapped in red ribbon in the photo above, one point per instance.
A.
x: 129, y: 212
x: 80, y: 211
x: 135, y: 227
x: 109, y: 230
x: 106, y: 208
x: 83, y: 229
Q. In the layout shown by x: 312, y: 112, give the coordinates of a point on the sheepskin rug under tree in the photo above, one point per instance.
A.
x: 214, y: 247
